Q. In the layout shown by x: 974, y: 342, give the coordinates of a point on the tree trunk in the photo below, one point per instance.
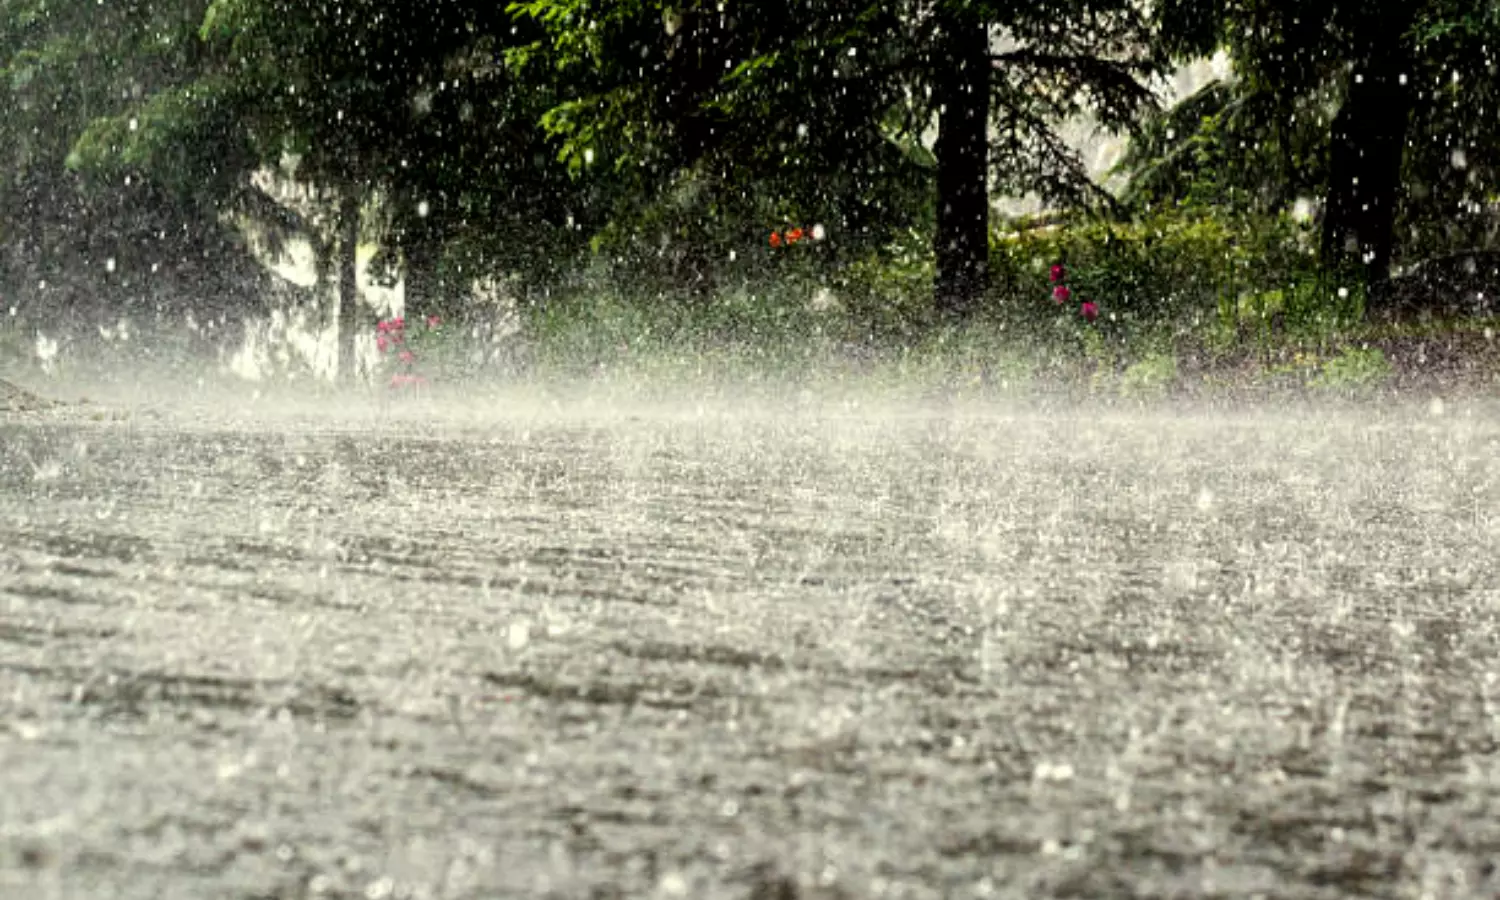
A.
x: 961, y: 242
x: 348, y: 247
x: 1367, y: 146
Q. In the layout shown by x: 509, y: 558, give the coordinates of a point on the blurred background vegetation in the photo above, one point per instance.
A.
x: 606, y: 178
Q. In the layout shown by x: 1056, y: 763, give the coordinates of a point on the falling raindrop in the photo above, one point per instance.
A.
x: 518, y: 635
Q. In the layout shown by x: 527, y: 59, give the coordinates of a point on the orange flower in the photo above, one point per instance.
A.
x: 775, y: 239
x: 794, y: 236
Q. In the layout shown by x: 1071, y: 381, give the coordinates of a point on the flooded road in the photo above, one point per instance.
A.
x: 751, y: 653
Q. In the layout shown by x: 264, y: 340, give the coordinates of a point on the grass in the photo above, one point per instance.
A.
x: 776, y: 343
x: 999, y: 356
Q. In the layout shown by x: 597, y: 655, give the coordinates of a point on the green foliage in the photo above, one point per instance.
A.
x: 1263, y: 140
x: 653, y: 145
x: 1163, y: 272
x: 1356, y: 368
x: 88, y: 232
x: 817, y: 113
x: 888, y: 293
x: 1210, y: 153
x: 1151, y: 376
x: 1309, y: 306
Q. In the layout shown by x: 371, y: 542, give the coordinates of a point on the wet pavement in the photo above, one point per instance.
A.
x: 724, y: 650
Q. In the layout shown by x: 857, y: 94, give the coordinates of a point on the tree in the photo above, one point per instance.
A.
x: 851, y: 87
x: 91, y: 241
x: 1362, y: 103
x: 402, y: 118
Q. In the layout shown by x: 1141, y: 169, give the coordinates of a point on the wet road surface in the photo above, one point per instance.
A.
x: 717, y: 652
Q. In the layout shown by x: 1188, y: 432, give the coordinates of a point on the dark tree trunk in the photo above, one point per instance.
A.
x: 348, y: 247
x: 1367, y: 146
x: 962, y: 244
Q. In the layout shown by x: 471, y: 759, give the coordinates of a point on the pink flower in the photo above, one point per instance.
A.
x: 1060, y: 294
x: 381, y: 343
x: 433, y: 321
x: 408, y: 357
x: 398, y: 323
x: 382, y: 326
x: 1058, y: 273
x: 1090, y: 310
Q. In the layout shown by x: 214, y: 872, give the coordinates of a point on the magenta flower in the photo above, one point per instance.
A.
x: 1060, y: 294
x: 1090, y: 310
x: 381, y: 343
x: 1058, y: 273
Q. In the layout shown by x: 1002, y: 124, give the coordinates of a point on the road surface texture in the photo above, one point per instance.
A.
x: 730, y: 650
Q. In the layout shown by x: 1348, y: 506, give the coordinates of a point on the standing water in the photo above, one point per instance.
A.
x: 751, y: 651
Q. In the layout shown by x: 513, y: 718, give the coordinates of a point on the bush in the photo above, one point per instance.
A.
x: 1356, y: 368
x: 1150, y: 377
x: 1164, y: 277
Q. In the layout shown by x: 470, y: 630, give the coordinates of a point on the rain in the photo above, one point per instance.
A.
x: 856, y: 450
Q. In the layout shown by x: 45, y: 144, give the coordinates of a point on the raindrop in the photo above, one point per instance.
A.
x: 518, y: 635
x: 134, y: 123
x: 1056, y: 772
x: 1458, y: 159
x: 423, y: 209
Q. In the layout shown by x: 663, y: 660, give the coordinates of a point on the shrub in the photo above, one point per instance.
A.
x: 1356, y: 368
x: 1169, y: 275
x: 1149, y: 377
